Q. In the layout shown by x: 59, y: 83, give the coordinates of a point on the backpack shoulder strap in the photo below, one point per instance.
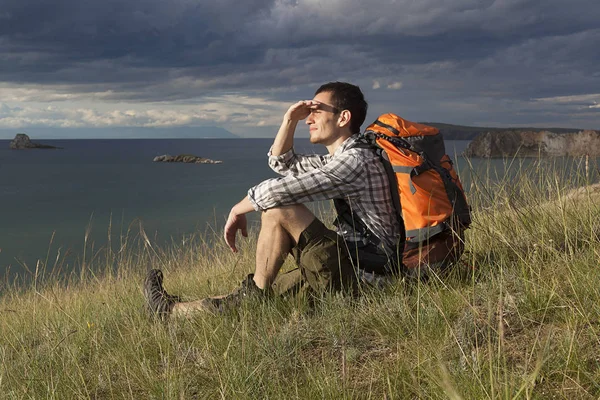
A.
x: 396, y: 201
x: 367, y: 139
x: 343, y: 209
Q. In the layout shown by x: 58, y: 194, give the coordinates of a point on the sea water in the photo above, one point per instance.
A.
x: 55, y: 203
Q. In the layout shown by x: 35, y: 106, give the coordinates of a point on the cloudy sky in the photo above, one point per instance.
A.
x: 239, y: 64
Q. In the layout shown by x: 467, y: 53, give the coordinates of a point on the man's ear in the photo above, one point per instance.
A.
x: 344, y: 118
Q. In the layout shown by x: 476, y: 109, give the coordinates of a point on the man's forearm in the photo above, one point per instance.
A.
x: 285, y: 137
x: 243, y: 207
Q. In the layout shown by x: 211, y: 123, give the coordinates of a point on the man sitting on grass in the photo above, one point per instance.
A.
x: 326, y: 262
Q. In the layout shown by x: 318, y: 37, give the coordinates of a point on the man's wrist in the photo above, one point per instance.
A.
x: 242, y: 208
x: 289, y: 121
x: 235, y: 211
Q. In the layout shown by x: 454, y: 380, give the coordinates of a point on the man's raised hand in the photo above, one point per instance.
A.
x: 300, y: 110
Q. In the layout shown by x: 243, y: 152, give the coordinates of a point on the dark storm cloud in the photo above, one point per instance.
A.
x: 150, y: 50
x: 61, y: 37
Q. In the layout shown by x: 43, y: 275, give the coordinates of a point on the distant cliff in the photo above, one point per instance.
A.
x: 462, y: 132
x: 533, y: 144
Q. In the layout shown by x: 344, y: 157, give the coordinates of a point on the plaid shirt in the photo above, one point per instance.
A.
x: 353, y: 174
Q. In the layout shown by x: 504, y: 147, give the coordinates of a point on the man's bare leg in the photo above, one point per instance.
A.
x: 279, y: 232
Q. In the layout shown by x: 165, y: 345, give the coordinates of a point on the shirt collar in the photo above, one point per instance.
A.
x: 346, y: 144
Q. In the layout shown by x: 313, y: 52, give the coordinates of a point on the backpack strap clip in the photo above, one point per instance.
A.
x: 419, y: 169
x: 420, y: 235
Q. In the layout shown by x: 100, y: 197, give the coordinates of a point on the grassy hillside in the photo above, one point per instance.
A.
x: 520, y: 318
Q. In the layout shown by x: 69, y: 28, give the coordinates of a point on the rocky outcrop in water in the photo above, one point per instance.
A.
x: 185, y: 158
x: 22, y: 141
x: 534, y: 144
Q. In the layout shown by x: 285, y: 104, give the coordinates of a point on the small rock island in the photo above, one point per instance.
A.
x: 185, y: 158
x: 22, y: 141
x: 534, y: 144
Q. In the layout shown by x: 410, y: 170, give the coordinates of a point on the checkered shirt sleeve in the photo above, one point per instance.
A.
x: 290, y: 163
x: 309, y: 178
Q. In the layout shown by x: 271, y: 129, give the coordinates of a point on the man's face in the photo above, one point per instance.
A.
x: 323, y: 121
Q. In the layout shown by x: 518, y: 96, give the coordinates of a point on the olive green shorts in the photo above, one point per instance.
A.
x: 323, y: 264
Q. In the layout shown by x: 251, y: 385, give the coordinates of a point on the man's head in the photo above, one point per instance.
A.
x: 345, y: 96
x: 337, y: 112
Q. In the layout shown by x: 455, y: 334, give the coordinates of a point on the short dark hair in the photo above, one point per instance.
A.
x: 346, y: 96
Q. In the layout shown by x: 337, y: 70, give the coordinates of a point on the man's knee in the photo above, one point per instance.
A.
x: 293, y: 218
x: 285, y: 215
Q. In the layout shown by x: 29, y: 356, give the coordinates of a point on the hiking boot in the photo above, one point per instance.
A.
x: 222, y: 304
x: 159, y: 302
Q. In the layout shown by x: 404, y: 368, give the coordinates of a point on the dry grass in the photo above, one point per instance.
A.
x: 519, y: 319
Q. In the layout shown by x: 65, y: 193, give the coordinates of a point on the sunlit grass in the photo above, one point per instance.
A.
x: 519, y: 318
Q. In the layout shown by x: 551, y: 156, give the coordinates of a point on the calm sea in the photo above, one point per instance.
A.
x: 50, y: 198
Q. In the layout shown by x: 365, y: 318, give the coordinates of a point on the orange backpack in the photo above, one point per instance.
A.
x: 427, y: 192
